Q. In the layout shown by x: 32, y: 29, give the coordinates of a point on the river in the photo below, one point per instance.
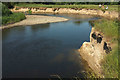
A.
x: 44, y: 50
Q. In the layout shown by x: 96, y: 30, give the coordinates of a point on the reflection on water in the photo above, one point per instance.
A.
x: 44, y: 26
x: 70, y: 16
x: 42, y: 50
x: 78, y: 22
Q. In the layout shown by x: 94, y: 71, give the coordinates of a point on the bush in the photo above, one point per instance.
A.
x: 16, y: 8
x: 29, y: 12
x: 15, y: 17
x: 10, y: 4
x: 5, y: 11
x: 9, y: 17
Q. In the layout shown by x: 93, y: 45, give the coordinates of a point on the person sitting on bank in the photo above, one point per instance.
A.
x: 100, y: 5
x: 107, y: 7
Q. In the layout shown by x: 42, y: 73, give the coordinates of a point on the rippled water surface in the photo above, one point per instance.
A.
x: 44, y: 50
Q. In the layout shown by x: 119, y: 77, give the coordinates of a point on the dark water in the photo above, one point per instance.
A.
x: 43, y: 50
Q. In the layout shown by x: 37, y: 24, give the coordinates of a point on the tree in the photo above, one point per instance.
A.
x: 5, y: 10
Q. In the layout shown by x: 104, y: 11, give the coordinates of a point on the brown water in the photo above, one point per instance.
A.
x: 43, y: 50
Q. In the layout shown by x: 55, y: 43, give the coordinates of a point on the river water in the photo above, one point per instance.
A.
x: 45, y: 50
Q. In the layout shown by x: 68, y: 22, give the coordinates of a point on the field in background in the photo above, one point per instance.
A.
x: 110, y: 7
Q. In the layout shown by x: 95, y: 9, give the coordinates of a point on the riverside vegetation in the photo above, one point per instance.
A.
x: 10, y: 17
x: 110, y: 29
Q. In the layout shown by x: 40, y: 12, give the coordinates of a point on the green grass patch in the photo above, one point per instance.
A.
x: 12, y: 18
x: 111, y: 7
x: 108, y: 27
x: 110, y: 64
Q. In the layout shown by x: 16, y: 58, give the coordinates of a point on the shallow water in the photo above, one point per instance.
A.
x: 44, y: 50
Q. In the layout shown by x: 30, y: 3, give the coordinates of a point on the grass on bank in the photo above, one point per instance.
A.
x: 110, y: 66
x: 9, y: 17
x: 108, y: 27
x: 14, y: 17
x: 110, y: 7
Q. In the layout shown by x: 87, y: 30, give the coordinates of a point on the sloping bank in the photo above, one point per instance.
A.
x: 101, y: 53
x: 109, y: 14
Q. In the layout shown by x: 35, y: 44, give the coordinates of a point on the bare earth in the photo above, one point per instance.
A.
x: 36, y: 19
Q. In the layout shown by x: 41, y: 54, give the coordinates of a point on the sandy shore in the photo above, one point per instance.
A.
x: 36, y: 19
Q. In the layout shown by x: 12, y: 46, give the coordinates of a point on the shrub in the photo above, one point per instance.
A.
x: 29, y: 12
x: 9, y: 17
x: 15, y: 17
x: 5, y: 11
x: 16, y: 8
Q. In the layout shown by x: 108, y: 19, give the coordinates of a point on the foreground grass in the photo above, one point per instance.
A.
x: 110, y: 29
x: 12, y: 18
x: 111, y: 7
x: 110, y: 65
